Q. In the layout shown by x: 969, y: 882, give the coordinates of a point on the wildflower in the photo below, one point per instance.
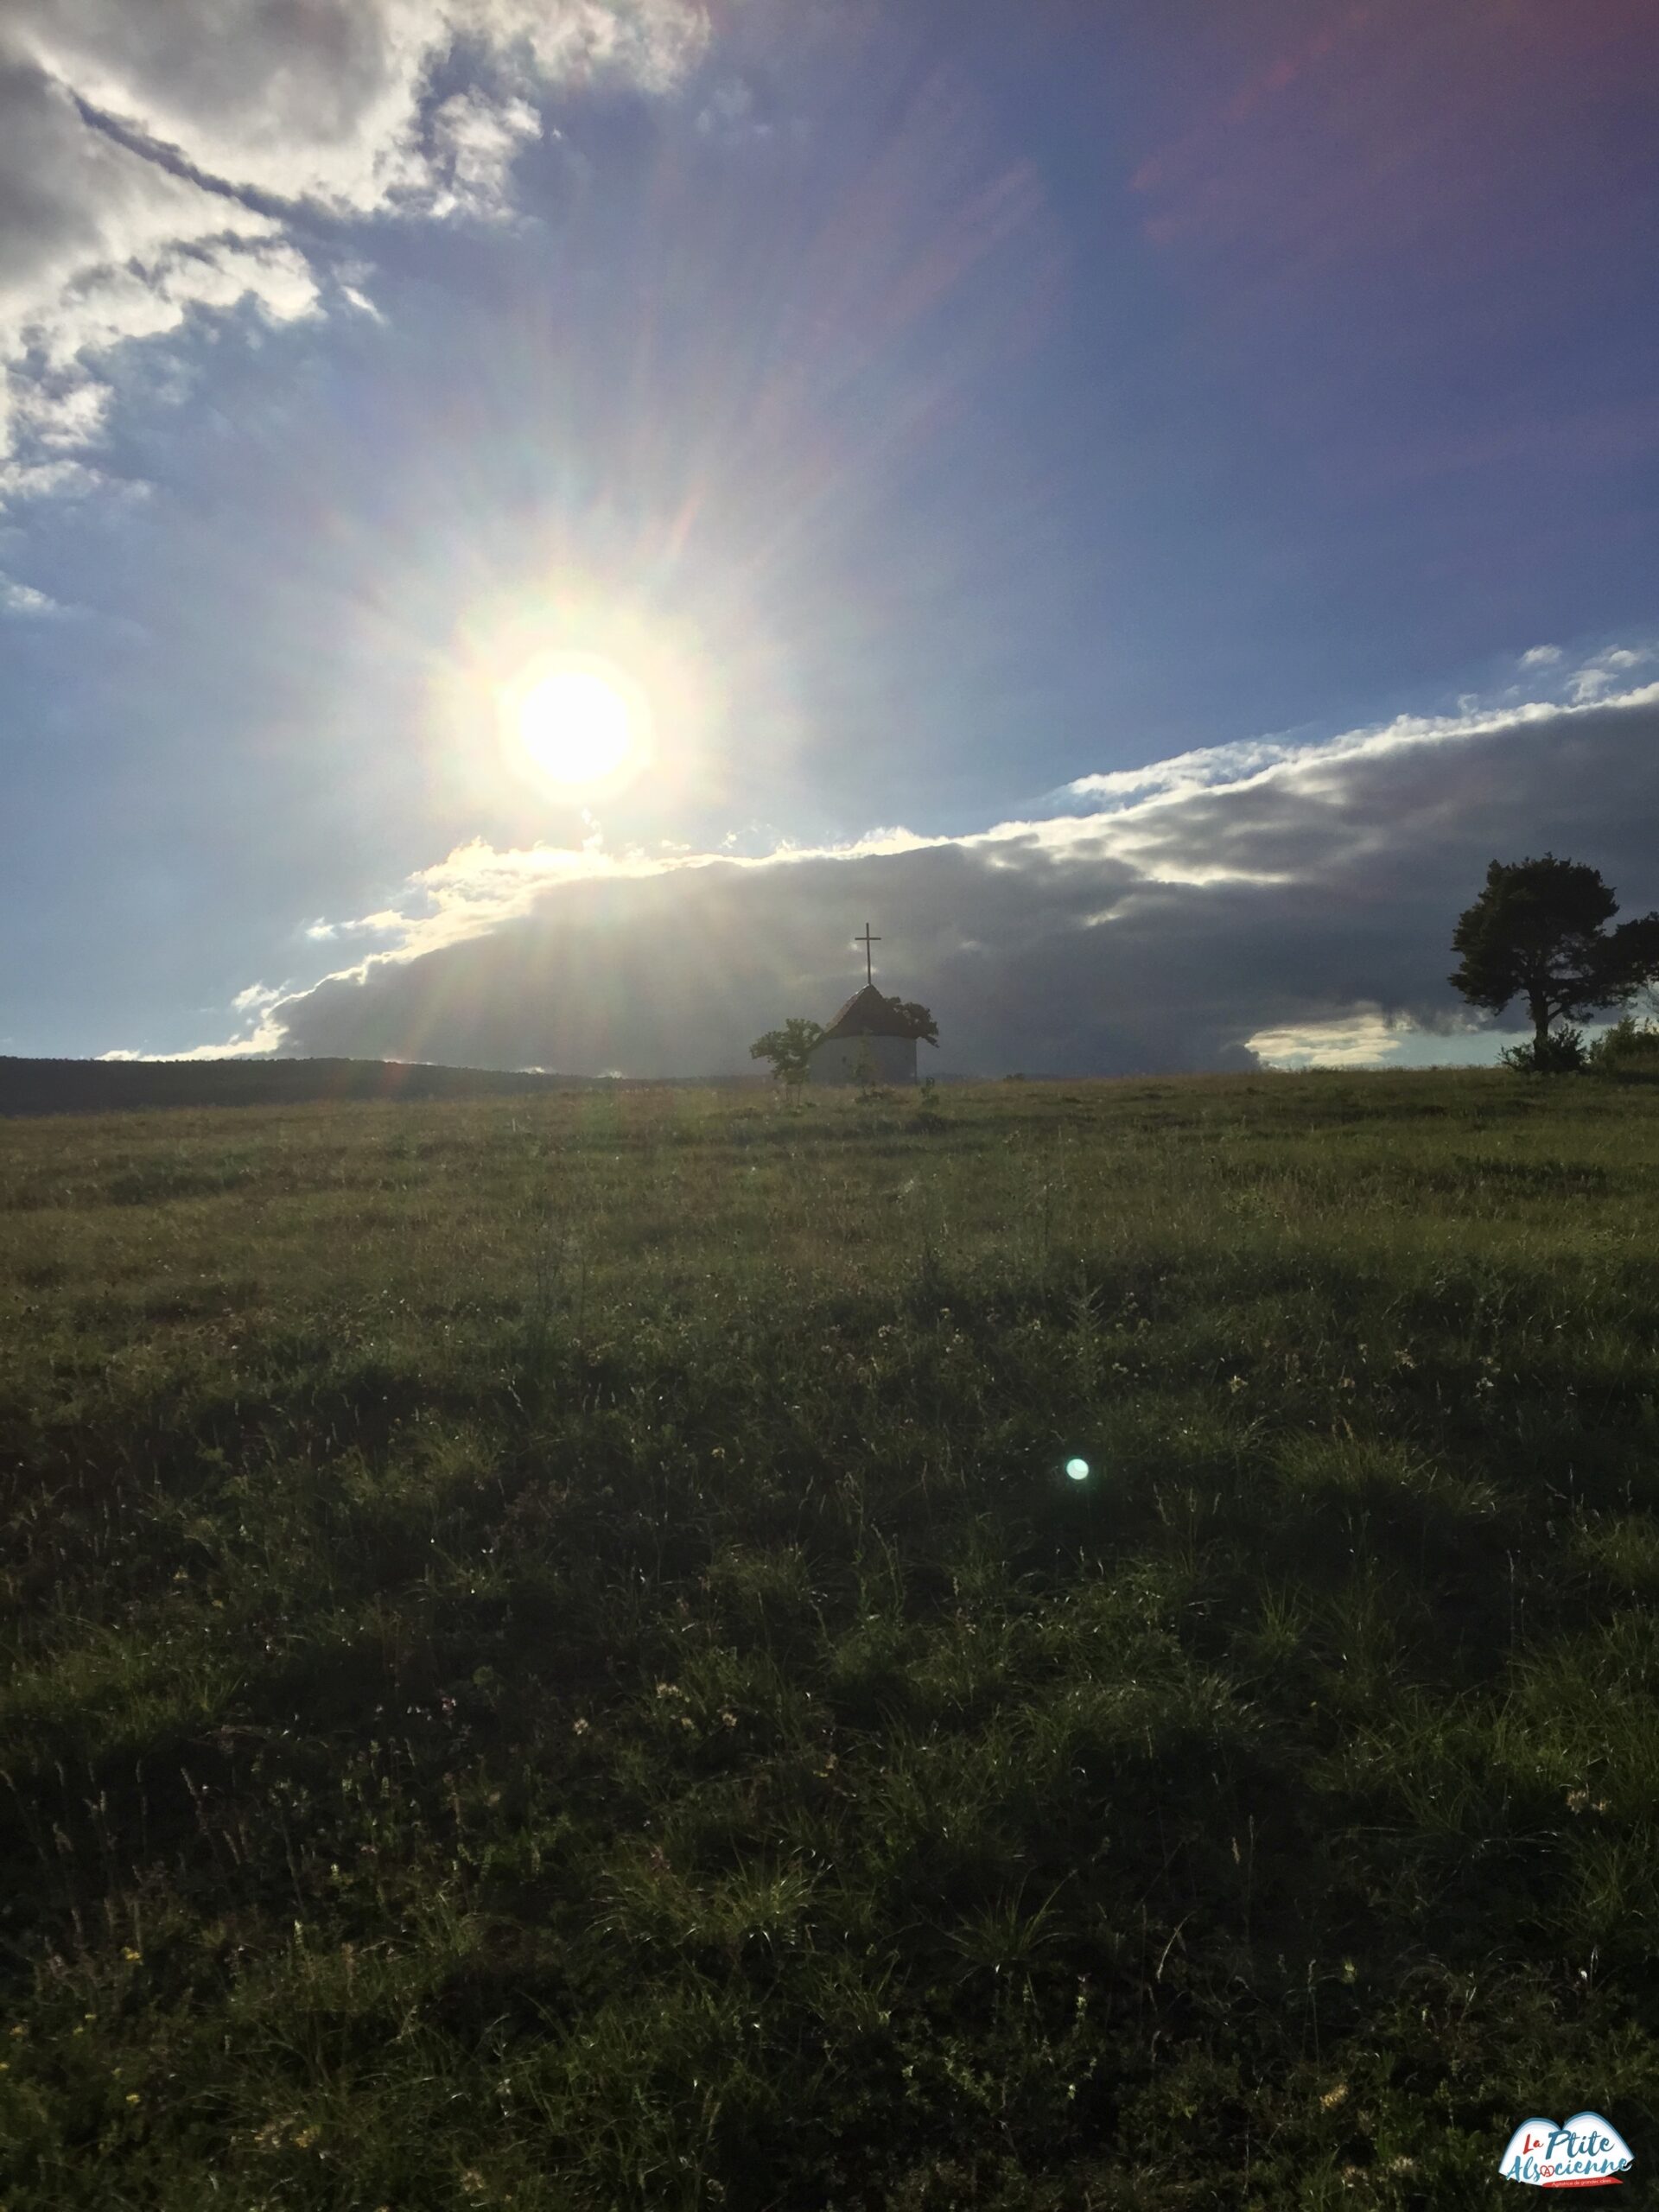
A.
x: 305, y: 2138
x: 670, y: 1690
x: 20, y: 2030
x: 579, y: 1727
x: 132, y: 2096
x: 1333, y: 2098
x: 727, y: 1719
x: 133, y: 1958
x: 1237, y: 1384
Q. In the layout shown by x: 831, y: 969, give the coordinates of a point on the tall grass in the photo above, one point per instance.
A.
x: 552, y: 1659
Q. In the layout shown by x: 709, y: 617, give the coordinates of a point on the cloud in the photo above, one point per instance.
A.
x: 1358, y: 1040
x: 96, y: 244
x: 1601, y: 674
x: 23, y: 599
x: 1265, y: 901
x: 476, y: 140
x: 153, y: 160
x: 1541, y: 656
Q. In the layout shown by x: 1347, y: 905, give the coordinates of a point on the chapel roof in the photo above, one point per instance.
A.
x: 867, y: 1014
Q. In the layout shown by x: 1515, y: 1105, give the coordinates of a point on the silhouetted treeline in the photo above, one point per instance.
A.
x: 105, y: 1086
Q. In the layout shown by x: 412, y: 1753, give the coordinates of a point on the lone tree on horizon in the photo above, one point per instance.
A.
x: 1537, y: 932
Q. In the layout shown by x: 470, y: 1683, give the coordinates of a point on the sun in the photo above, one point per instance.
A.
x: 577, y: 725
x: 579, y: 703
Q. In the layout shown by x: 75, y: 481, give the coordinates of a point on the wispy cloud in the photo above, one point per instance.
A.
x: 1599, y: 675
x: 23, y: 599
x: 152, y: 162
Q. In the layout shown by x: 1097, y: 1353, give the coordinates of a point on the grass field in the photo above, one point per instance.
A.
x: 552, y: 1659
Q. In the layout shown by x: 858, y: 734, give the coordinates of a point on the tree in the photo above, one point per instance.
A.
x: 1537, y: 932
x: 918, y: 1021
x: 788, y: 1048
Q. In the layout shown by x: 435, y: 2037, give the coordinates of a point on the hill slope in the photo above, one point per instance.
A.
x: 105, y: 1086
x: 553, y: 1658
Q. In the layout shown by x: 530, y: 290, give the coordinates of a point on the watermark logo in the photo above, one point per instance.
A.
x: 1588, y: 2153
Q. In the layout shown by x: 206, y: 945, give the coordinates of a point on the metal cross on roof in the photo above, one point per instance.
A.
x: 866, y: 941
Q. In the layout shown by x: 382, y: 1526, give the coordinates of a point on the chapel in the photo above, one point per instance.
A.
x: 866, y: 1040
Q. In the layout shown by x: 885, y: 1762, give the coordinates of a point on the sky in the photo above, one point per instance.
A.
x: 1138, y: 501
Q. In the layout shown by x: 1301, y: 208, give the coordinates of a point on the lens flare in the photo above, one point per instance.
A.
x: 1077, y: 1469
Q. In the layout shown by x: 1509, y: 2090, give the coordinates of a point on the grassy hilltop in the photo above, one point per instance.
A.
x: 552, y: 1660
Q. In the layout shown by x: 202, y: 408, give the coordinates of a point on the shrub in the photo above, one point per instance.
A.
x: 1561, y: 1053
x: 1629, y: 1048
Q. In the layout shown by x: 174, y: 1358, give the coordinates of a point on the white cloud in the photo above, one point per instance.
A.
x: 1601, y: 674
x: 1356, y: 1040
x: 35, y: 480
x: 731, y: 117
x: 265, y: 1037
x: 23, y: 599
x: 1541, y: 656
x: 476, y: 140
x: 80, y: 217
x: 651, y: 42
x: 217, y: 116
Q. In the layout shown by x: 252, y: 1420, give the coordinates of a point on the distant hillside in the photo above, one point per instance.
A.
x: 106, y: 1086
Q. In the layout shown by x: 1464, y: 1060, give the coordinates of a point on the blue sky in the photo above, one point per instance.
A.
x: 1140, y: 501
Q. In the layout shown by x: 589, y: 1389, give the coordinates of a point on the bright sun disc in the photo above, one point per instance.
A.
x: 576, y: 726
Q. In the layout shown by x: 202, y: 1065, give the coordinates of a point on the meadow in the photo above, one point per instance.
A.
x: 552, y: 1659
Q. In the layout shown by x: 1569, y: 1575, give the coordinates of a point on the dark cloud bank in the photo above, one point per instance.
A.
x: 1079, y: 947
